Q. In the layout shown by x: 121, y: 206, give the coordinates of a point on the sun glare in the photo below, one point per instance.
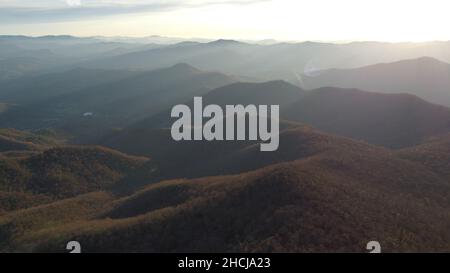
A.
x: 296, y: 20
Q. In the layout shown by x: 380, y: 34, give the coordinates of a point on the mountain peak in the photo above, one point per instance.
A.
x: 184, y: 67
x: 428, y: 59
x: 424, y: 60
x: 225, y: 42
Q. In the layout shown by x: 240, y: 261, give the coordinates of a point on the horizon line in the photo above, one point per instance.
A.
x: 208, y: 39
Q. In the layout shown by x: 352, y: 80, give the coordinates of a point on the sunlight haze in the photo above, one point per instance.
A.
x: 294, y: 20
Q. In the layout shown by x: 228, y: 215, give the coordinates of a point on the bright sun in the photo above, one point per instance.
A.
x: 323, y: 20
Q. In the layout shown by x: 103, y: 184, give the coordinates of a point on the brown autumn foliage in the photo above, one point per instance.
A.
x: 435, y: 154
x: 318, y: 193
x: 28, y: 179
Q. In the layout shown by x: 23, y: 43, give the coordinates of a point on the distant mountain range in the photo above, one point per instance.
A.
x: 288, y: 61
x: 112, y: 98
x: 425, y: 77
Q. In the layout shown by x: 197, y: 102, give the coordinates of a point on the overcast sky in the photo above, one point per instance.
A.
x: 330, y: 20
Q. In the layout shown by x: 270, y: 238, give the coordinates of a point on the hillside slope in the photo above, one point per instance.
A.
x: 434, y: 153
x: 424, y: 77
x: 391, y: 120
x: 60, y: 172
x: 95, y: 110
x: 331, y: 200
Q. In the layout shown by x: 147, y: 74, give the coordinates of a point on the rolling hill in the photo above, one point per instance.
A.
x: 390, y: 120
x: 12, y: 140
x: 35, y: 89
x: 267, y: 93
x: 23, y: 56
x: 68, y: 171
x: 335, y: 198
x: 92, y: 111
x: 60, y: 172
x: 433, y: 153
x: 426, y: 77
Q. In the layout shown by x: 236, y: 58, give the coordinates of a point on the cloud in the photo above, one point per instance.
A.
x: 78, y: 10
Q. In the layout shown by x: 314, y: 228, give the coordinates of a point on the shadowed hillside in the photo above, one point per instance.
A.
x: 172, y: 159
x: 245, y: 93
x: 10, y: 144
x: 273, y: 92
x: 391, y: 120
